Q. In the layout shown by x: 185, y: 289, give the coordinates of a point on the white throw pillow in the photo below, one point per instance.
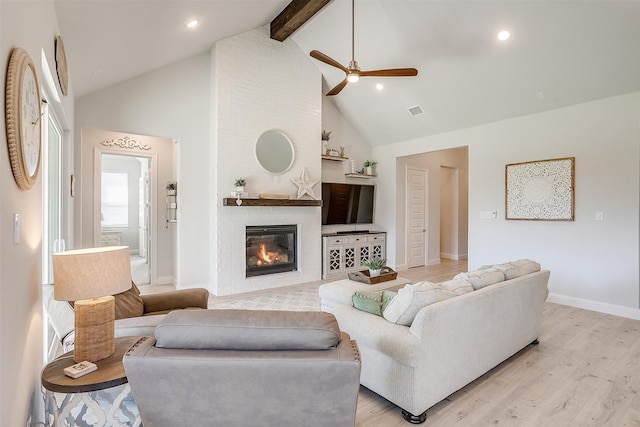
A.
x: 411, y: 299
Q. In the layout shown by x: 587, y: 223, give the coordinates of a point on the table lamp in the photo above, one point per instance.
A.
x: 90, y: 277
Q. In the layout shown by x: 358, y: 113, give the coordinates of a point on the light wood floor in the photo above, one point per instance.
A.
x: 584, y: 372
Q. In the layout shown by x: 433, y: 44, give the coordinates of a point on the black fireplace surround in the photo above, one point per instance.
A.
x: 271, y: 249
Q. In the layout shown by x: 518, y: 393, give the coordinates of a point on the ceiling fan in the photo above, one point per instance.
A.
x: 353, y: 72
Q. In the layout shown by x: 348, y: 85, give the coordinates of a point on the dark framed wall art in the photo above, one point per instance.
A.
x: 540, y: 190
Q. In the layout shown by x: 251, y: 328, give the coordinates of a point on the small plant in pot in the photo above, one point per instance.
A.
x: 375, y: 266
x: 369, y: 166
x: 240, y: 183
x: 172, y: 186
x: 326, y: 135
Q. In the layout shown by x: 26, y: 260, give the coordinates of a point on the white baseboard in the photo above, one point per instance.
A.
x: 455, y: 257
x: 165, y: 280
x: 601, y: 307
x: 434, y: 261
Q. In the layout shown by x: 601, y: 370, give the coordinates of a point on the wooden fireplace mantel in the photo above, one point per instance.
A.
x: 231, y: 201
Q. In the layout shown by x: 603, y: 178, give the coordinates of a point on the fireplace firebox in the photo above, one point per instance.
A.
x: 271, y: 249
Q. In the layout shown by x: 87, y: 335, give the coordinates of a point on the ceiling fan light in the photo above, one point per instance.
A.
x: 353, y: 77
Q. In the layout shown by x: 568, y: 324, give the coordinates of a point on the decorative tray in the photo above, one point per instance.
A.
x: 363, y: 276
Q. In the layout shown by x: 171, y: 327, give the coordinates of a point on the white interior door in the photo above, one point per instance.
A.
x: 416, y: 198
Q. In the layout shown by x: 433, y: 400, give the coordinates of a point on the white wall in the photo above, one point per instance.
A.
x: 31, y: 25
x: 260, y: 84
x: 356, y: 148
x: 217, y: 105
x: 593, y: 264
x: 172, y: 102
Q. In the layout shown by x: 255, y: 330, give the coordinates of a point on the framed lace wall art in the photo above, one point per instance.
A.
x: 540, y: 190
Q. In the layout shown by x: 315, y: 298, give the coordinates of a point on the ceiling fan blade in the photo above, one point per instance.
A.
x: 327, y: 60
x: 336, y: 90
x: 393, y: 72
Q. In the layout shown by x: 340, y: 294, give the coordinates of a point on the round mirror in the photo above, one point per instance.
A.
x: 274, y: 152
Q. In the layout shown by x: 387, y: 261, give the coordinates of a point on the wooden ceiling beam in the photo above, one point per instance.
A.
x: 294, y: 16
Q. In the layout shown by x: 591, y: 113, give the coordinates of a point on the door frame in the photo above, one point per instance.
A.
x: 153, y: 200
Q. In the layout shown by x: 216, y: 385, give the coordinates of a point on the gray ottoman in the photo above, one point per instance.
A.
x: 340, y: 292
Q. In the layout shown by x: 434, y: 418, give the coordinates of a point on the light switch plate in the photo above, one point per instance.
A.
x: 16, y: 228
x: 488, y: 214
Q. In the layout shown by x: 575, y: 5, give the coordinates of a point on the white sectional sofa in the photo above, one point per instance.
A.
x: 450, y: 342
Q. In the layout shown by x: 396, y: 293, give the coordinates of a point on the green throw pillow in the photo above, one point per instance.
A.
x: 372, y: 302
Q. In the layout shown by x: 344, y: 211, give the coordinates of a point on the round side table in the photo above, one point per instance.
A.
x: 100, y: 398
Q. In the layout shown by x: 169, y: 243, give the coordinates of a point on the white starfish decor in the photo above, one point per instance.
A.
x: 305, y: 185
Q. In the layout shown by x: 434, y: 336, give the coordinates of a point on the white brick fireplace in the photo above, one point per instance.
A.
x: 260, y: 84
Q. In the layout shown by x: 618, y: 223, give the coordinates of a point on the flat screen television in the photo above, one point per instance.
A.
x: 347, y: 203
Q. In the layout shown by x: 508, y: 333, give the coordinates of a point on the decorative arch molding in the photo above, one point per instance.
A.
x: 126, y: 143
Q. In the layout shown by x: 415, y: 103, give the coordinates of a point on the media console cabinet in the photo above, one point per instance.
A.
x: 342, y: 253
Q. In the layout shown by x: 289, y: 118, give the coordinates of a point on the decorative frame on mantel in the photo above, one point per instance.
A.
x: 540, y: 190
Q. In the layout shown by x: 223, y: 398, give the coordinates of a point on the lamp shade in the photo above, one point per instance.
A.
x: 91, y: 273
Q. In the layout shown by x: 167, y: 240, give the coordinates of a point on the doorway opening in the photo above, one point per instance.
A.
x: 444, y: 207
x: 125, y: 209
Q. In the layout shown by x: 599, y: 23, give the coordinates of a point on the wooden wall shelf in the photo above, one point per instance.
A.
x: 334, y: 158
x: 359, y: 175
x: 231, y: 201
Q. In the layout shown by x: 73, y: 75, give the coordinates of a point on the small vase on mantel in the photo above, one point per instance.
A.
x: 239, y: 184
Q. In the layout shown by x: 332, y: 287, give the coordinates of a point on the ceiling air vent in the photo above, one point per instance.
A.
x: 416, y: 111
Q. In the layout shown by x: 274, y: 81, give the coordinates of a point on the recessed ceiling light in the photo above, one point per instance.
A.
x: 503, y: 35
x: 192, y: 24
x: 379, y: 86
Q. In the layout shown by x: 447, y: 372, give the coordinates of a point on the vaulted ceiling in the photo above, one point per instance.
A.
x: 560, y: 53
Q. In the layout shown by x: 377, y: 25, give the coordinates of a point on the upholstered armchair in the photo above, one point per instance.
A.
x: 245, y: 367
x: 136, y: 314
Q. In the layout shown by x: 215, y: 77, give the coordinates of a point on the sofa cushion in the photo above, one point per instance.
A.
x: 510, y: 271
x: 526, y: 266
x: 127, y: 303
x: 372, y: 302
x: 481, y: 278
x: 411, y: 299
x: 457, y: 286
x: 514, y: 269
x: 248, y: 330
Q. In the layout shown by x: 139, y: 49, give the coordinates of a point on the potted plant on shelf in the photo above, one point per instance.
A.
x: 375, y: 266
x: 172, y: 186
x: 326, y: 135
x: 369, y: 166
x: 240, y: 183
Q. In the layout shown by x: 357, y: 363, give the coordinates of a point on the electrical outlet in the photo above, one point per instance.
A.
x: 599, y: 216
